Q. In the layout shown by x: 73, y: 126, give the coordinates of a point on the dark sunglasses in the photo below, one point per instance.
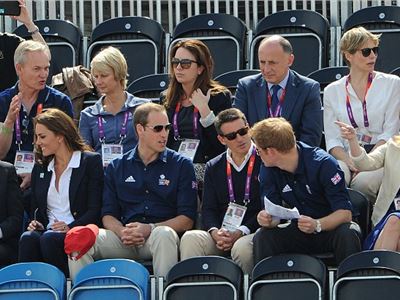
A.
x: 159, y: 128
x: 185, y: 62
x: 232, y: 135
x: 367, y: 51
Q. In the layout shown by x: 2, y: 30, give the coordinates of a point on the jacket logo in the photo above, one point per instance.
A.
x: 130, y: 179
x: 286, y: 189
x: 163, y: 181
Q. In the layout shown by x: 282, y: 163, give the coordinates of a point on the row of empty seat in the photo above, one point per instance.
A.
x: 366, y: 275
x: 146, y: 45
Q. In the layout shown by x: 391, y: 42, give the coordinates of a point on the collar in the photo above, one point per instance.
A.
x: 246, y: 158
x: 74, y: 162
x: 131, y: 101
x: 300, y: 164
x: 282, y: 84
x: 134, y: 155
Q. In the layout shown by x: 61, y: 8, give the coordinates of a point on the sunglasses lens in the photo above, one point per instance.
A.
x: 186, y: 63
x: 158, y: 128
x: 367, y: 51
x: 232, y: 135
x: 243, y: 131
x: 168, y: 127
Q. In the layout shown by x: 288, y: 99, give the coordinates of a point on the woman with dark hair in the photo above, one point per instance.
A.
x: 67, y: 186
x: 193, y: 100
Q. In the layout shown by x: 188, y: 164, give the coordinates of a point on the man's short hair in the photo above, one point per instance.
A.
x: 285, y: 44
x: 29, y: 46
x: 141, y: 114
x: 226, y: 116
x: 274, y: 133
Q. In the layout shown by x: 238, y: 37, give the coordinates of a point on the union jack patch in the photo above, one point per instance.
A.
x: 336, y: 179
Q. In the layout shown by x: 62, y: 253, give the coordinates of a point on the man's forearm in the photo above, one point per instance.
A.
x: 180, y: 223
x: 111, y: 223
x: 333, y: 220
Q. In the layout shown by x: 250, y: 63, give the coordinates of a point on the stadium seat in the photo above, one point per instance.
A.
x: 396, y: 71
x: 225, y: 36
x: 140, y: 39
x: 32, y: 281
x: 384, y: 20
x: 306, y: 30
x: 290, y: 276
x: 368, y: 275
x: 64, y: 40
x: 204, y: 277
x: 149, y: 86
x: 231, y: 78
x: 111, y: 279
x: 361, y: 211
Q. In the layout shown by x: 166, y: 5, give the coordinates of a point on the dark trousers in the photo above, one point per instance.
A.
x: 343, y: 241
x: 45, y: 246
x: 8, y: 252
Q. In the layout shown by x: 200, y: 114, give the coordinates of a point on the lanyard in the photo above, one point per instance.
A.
x: 195, y: 122
x: 278, y: 109
x: 18, y: 136
x: 364, y: 103
x: 250, y: 167
x: 122, y: 133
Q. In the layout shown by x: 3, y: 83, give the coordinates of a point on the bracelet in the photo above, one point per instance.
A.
x: 5, y: 130
x: 36, y: 30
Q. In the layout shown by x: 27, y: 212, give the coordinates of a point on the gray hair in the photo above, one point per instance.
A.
x: 29, y: 46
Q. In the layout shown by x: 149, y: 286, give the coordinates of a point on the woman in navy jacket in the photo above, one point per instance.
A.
x: 67, y: 185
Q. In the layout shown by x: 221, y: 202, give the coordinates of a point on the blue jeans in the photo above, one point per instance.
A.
x: 47, y: 246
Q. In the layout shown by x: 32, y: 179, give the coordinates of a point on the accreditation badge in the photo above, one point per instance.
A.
x: 110, y: 152
x: 396, y: 202
x: 188, y: 148
x: 24, y: 161
x: 234, y: 216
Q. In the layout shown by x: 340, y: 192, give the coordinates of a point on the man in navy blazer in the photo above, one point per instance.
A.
x: 297, y: 98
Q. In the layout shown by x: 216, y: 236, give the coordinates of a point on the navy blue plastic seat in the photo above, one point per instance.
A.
x: 32, y: 281
x: 231, y: 78
x: 111, y: 279
x: 149, y: 86
x: 306, y: 30
x: 140, y: 39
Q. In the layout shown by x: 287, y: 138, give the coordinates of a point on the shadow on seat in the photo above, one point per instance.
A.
x: 204, y: 277
x: 111, y: 279
x: 368, y: 275
x: 290, y: 276
x: 34, y: 280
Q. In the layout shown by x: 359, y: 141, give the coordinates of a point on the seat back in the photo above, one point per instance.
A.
x: 396, y: 71
x: 369, y: 275
x: 204, y: 277
x: 384, y: 20
x: 149, y: 86
x: 361, y: 211
x: 291, y: 276
x: 231, y: 78
x: 108, y: 278
x: 32, y: 281
x: 64, y: 40
x: 140, y: 39
x: 224, y: 35
x: 306, y: 30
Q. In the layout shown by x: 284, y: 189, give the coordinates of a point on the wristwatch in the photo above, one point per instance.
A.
x: 318, y: 227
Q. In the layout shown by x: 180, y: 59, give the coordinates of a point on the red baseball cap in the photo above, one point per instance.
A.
x: 79, y: 240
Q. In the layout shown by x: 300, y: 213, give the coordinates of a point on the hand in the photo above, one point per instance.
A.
x: 264, y: 219
x: 60, y: 226
x: 24, y: 15
x: 13, y: 110
x: 135, y: 234
x: 26, y: 180
x: 224, y: 239
x: 35, y: 225
x: 200, y: 101
x: 351, y: 166
x: 307, y: 224
x: 347, y: 131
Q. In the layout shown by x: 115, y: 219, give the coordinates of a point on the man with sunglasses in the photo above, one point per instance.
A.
x: 309, y: 179
x: 231, y: 199
x: 150, y: 196
x: 279, y: 91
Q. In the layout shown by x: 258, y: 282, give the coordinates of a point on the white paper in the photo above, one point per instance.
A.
x: 280, y: 211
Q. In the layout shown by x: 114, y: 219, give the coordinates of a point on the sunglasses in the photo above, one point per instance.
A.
x: 367, y: 51
x: 185, y: 62
x: 232, y: 135
x: 159, y: 128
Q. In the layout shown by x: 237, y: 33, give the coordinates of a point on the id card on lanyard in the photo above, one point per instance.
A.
x: 18, y: 132
x: 278, y: 110
x: 24, y: 161
x: 112, y: 151
x: 235, y: 213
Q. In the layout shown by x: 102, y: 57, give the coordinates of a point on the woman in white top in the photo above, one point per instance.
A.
x: 366, y: 99
x: 67, y: 187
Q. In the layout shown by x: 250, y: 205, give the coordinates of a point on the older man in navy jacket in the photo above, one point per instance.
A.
x: 281, y: 92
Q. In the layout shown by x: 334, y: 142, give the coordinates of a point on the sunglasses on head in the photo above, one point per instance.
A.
x: 185, y: 63
x: 367, y: 51
x: 159, y: 128
x: 232, y: 135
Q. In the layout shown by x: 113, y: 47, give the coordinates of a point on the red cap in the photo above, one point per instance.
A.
x: 79, y: 240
